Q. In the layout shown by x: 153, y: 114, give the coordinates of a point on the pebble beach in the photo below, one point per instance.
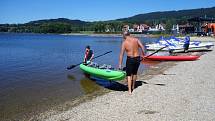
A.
x: 177, y: 91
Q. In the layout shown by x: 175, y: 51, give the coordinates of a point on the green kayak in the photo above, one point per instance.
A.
x: 106, y: 74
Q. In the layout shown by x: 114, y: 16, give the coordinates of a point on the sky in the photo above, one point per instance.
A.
x: 23, y: 11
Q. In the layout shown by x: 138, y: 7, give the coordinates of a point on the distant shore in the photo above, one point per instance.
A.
x: 117, y: 34
x: 193, y: 38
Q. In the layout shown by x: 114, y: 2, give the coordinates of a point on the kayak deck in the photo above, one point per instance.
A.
x: 103, y: 73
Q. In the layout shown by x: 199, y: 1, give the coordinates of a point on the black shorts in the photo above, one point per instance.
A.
x: 186, y: 46
x: 132, y: 65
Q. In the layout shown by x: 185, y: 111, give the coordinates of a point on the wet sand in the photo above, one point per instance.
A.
x: 179, y: 91
x: 203, y: 39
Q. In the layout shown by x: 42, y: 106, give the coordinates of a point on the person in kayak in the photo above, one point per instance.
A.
x: 186, y: 43
x: 88, y: 55
x: 131, y: 46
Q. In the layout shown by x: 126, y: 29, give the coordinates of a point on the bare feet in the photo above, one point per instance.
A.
x: 129, y: 92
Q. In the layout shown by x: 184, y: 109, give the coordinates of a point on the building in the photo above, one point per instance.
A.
x: 158, y: 27
x: 186, y: 29
x: 144, y: 27
x: 175, y: 29
x: 137, y: 28
x: 183, y: 29
x: 201, y: 23
x: 209, y: 28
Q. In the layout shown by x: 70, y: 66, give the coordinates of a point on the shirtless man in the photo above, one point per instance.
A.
x: 131, y: 46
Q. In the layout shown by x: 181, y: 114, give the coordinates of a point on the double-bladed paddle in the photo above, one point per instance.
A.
x: 148, y: 56
x: 153, y: 53
x: 73, y: 66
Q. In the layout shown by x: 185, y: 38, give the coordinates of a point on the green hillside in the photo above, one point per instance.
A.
x: 180, y: 16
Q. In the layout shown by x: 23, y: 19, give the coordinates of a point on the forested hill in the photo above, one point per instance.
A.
x: 180, y: 15
x: 60, y: 25
x: 59, y: 20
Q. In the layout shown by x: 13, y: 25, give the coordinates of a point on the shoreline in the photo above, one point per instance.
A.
x: 107, y: 35
x: 150, y: 73
x: 192, y: 38
x: 161, y: 69
x: 206, y: 39
x: 170, y: 95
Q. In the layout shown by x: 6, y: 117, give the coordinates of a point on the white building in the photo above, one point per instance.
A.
x: 158, y: 27
x: 175, y: 29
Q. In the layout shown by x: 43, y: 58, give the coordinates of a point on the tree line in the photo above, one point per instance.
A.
x: 62, y: 27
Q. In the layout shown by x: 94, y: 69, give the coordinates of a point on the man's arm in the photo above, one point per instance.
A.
x: 85, y: 56
x: 121, y: 55
x: 141, y: 46
x: 92, y: 56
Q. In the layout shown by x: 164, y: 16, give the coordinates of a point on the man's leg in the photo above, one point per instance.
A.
x: 129, y: 79
x: 134, y: 72
x: 134, y: 78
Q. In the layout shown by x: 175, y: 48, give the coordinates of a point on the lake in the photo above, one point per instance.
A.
x: 33, y: 74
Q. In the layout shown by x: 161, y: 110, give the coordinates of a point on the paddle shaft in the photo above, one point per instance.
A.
x: 101, y: 55
x: 154, y: 52
x: 149, y: 55
x: 73, y: 66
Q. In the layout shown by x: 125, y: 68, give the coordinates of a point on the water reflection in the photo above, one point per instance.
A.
x: 89, y: 86
x: 33, y: 66
x: 71, y: 77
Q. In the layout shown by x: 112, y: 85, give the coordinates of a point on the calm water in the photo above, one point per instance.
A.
x: 33, y: 71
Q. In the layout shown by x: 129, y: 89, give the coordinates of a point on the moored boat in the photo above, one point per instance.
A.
x: 173, y: 58
x: 175, y: 44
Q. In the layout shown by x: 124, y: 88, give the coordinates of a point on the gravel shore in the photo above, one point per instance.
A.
x: 182, y: 92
